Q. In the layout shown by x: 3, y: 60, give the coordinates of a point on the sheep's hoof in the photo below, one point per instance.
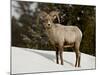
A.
x: 77, y: 66
x: 57, y: 62
x: 62, y: 63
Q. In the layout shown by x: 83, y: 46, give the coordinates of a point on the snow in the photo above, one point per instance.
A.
x: 13, y: 10
x: 26, y: 60
x: 33, y: 6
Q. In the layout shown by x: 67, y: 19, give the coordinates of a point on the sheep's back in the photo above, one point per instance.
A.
x: 68, y: 33
x: 60, y: 33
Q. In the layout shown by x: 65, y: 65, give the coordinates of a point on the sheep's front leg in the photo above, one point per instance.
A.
x: 61, y: 54
x: 57, y: 53
x: 57, y: 57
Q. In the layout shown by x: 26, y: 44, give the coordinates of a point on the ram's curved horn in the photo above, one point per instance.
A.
x: 55, y: 14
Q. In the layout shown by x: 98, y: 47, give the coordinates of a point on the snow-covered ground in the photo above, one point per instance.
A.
x: 26, y: 60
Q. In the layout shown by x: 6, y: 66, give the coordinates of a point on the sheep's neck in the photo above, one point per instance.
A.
x: 50, y: 30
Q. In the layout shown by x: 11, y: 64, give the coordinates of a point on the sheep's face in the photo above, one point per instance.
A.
x: 48, y: 19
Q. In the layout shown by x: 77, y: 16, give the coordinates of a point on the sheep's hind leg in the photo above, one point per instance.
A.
x: 77, y: 56
x: 76, y: 59
x: 79, y: 59
x: 77, y: 64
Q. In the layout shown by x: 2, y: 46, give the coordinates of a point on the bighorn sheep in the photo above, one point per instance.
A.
x: 62, y: 36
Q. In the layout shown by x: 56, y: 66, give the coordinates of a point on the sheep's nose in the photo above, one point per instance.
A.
x: 48, y: 24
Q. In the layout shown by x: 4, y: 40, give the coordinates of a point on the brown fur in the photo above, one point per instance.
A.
x: 62, y: 36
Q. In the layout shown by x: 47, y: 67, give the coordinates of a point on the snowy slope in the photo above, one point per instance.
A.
x: 26, y: 60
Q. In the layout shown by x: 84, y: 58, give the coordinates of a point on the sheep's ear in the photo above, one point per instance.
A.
x: 55, y: 16
x: 42, y: 15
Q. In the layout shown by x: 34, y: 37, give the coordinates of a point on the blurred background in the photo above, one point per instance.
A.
x: 27, y: 30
